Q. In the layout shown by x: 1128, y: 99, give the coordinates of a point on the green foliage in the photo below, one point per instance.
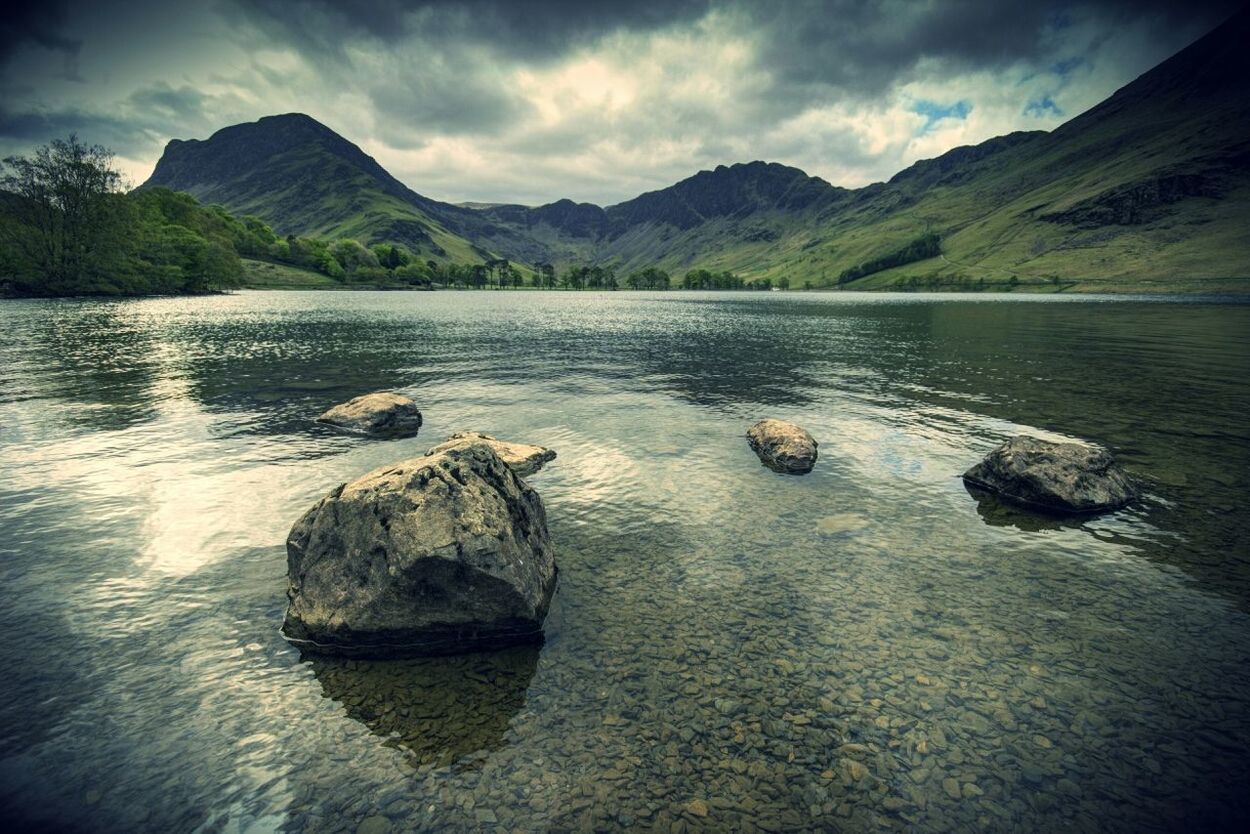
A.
x: 545, y: 276
x: 650, y: 278
x: 415, y: 273
x: 370, y: 274
x: 268, y: 275
x: 702, y: 279
x: 66, y: 225
x: 922, y: 248
x: 352, y: 256
x: 67, y: 231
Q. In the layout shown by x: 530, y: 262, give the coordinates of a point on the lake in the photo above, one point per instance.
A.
x: 865, y: 647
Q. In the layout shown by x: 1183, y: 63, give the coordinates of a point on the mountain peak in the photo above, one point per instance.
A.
x: 728, y: 190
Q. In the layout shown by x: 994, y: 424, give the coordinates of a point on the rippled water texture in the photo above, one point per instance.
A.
x: 865, y: 647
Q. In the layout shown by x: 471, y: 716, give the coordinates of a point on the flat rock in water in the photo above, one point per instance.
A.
x: 435, y: 555
x: 841, y: 523
x: 1053, y: 477
x: 524, y: 458
x: 783, y: 447
x: 382, y: 413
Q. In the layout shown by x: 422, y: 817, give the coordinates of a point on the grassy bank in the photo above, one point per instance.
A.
x: 266, y: 275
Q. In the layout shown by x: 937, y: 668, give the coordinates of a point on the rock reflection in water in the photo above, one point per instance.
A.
x: 438, y: 710
x: 998, y: 513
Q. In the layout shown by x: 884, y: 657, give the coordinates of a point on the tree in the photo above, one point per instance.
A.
x: 783, y: 282
x: 649, y: 279
x: 414, y: 273
x: 390, y: 256
x: 71, y: 225
x: 352, y: 256
x: 549, y: 275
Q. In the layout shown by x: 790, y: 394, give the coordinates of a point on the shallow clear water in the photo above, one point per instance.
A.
x: 865, y: 647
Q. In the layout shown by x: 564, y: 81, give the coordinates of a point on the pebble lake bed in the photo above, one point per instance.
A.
x: 869, y: 646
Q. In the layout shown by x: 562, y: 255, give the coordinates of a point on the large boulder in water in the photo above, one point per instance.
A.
x: 783, y: 447
x: 382, y: 413
x: 433, y: 555
x: 524, y: 458
x: 1065, y: 478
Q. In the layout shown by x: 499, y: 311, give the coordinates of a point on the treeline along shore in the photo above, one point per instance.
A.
x: 68, y: 228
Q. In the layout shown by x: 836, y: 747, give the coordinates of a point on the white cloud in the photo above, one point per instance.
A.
x: 615, y: 114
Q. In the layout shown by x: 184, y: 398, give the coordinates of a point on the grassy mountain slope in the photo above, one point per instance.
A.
x: 302, y: 178
x: 1148, y: 190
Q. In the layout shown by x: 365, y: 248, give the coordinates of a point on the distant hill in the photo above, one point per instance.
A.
x: 303, y: 178
x: 1148, y: 190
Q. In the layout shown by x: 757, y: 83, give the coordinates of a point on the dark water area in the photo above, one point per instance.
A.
x: 867, y: 647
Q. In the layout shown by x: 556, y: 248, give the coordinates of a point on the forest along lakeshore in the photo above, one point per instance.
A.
x: 756, y: 503
x: 728, y: 646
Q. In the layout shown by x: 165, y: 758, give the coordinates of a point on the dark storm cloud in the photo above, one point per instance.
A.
x: 445, y: 59
x: 39, y: 126
x: 858, y: 44
x: 855, y: 44
x: 38, y: 24
x: 860, y: 48
x: 137, y: 125
x: 537, y: 99
x: 453, y: 92
x: 164, y: 101
x: 532, y: 31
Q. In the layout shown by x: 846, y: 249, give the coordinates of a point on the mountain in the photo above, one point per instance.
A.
x: 303, y: 178
x: 1149, y: 189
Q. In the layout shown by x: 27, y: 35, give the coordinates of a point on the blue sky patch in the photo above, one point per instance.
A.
x: 934, y: 112
x: 1044, y: 106
x: 1064, y: 67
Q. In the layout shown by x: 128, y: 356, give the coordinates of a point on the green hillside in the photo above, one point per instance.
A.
x: 1149, y: 190
x: 303, y: 179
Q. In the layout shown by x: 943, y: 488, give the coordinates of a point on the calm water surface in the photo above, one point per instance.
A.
x: 867, y: 647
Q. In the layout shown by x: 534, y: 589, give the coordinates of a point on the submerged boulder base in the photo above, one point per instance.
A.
x: 433, y: 555
x: 783, y: 447
x: 381, y: 413
x: 524, y: 458
x: 1053, y: 477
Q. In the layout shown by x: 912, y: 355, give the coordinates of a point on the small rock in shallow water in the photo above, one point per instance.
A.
x: 1053, y: 477
x: 374, y: 825
x: 855, y: 770
x: 697, y: 807
x: 841, y: 523
x: 783, y: 447
x: 524, y: 458
x: 382, y: 413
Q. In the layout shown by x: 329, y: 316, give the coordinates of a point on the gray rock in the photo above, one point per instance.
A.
x: 433, y: 555
x: 1053, y: 477
x: 381, y: 413
x: 783, y: 447
x: 524, y: 458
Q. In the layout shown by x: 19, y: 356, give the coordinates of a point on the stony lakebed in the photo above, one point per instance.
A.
x: 871, y: 644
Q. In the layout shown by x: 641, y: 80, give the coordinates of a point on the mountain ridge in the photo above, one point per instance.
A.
x: 1151, y: 181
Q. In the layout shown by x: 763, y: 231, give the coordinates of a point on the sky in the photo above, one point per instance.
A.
x: 529, y: 102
